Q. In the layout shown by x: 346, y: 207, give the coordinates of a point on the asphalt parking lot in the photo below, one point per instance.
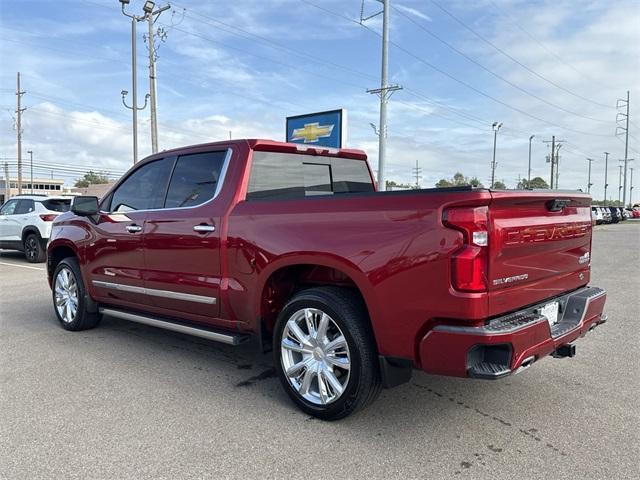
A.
x: 129, y: 401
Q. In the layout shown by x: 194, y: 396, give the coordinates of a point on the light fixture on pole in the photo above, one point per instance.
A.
x: 148, y: 6
x: 496, y: 126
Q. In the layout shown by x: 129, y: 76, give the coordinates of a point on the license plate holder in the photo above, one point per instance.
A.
x: 550, y: 312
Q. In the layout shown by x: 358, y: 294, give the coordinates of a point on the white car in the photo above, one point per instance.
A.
x: 25, y: 223
x: 596, y: 214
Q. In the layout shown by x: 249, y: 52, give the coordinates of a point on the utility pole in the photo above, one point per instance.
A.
x: 558, y: 146
x: 553, y: 159
x: 606, y: 171
x: 134, y: 80
x: 496, y: 126
x: 417, y: 171
x: 384, y: 92
x: 19, y: 110
x: 529, y: 170
x: 589, y: 175
x: 151, y: 16
x: 30, y: 152
x: 619, y: 104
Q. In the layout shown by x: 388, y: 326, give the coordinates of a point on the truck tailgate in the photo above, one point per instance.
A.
x: 539, y: 246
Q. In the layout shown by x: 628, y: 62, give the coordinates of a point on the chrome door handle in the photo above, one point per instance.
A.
x: 133, y: 228
x: 203, y: 228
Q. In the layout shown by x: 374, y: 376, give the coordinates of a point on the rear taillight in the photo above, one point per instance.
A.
x: 469, y: 264
x: 48, y: 217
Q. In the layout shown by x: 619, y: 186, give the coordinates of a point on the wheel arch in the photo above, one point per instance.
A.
x: 29, y: 229
x: 58, y: 252
x: 286, y: 277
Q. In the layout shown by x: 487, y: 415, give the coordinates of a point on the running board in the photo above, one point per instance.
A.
x: 200, y: 332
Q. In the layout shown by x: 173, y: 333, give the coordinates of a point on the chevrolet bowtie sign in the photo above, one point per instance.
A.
x: 312, y: 132
x: 326, y: 129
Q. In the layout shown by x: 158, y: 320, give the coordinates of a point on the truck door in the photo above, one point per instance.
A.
x: 115, y: 259
x: 183, y: 274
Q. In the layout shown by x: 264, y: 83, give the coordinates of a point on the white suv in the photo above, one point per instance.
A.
x: 25, y: 223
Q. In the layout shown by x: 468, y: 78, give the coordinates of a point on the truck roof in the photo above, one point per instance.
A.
x: 270, y: 146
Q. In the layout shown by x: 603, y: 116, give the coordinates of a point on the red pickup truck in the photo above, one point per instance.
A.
x: 352, y: 288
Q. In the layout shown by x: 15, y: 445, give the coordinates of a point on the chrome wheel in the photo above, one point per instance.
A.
x: 315, y: 356
x: 66, y: 295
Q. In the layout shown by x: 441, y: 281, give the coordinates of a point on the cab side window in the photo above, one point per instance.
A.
x: 9, y: 208
x: 144, y: 189
x: 195, y: 179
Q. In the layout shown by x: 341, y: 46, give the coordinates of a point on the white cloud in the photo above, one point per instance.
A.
x: 414, y: 11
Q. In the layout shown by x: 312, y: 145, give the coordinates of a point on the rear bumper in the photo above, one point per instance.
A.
x: 508, y: 344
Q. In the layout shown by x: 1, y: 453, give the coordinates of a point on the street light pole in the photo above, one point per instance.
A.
x: 496, y: 126
x: 606, y: 168
x: 134, y: 80
x: 620, y: 183
x: 589, y: 176
x: 30, y: 152
x: 558, y: 147
x: 529, y: 171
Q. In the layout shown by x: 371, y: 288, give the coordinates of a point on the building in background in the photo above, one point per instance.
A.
x: 41, y: 186
x: 96, y: 189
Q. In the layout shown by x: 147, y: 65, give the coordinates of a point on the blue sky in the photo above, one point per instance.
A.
x: 540, y: 67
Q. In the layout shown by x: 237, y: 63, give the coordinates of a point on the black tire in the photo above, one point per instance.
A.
x: 34, y: 250
x: 86, y: 315
x: 348, y: 313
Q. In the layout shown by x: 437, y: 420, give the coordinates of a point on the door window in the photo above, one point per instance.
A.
x: 57, y: 205
x: 195, y: 180
x: 9, y: 207
x: 144, y: 189
x: 25, y: 206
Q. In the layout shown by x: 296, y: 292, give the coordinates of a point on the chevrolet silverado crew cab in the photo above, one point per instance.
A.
x: 293, y: 247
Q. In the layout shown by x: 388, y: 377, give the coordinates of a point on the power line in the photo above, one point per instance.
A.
x: 501, y: 51
x: 69, y: 170
x: 461, y: 82
x: 262, y: 57
x: 497, y: 75
x: 453, y: 110
x: 234, y: 29
x: 486, y: 95
x: 50, y: 163
x: 548, y: 50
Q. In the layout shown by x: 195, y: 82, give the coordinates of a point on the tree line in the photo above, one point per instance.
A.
x: 461, y: 180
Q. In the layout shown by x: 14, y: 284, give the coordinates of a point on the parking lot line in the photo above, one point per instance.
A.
x: 21, y: 266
